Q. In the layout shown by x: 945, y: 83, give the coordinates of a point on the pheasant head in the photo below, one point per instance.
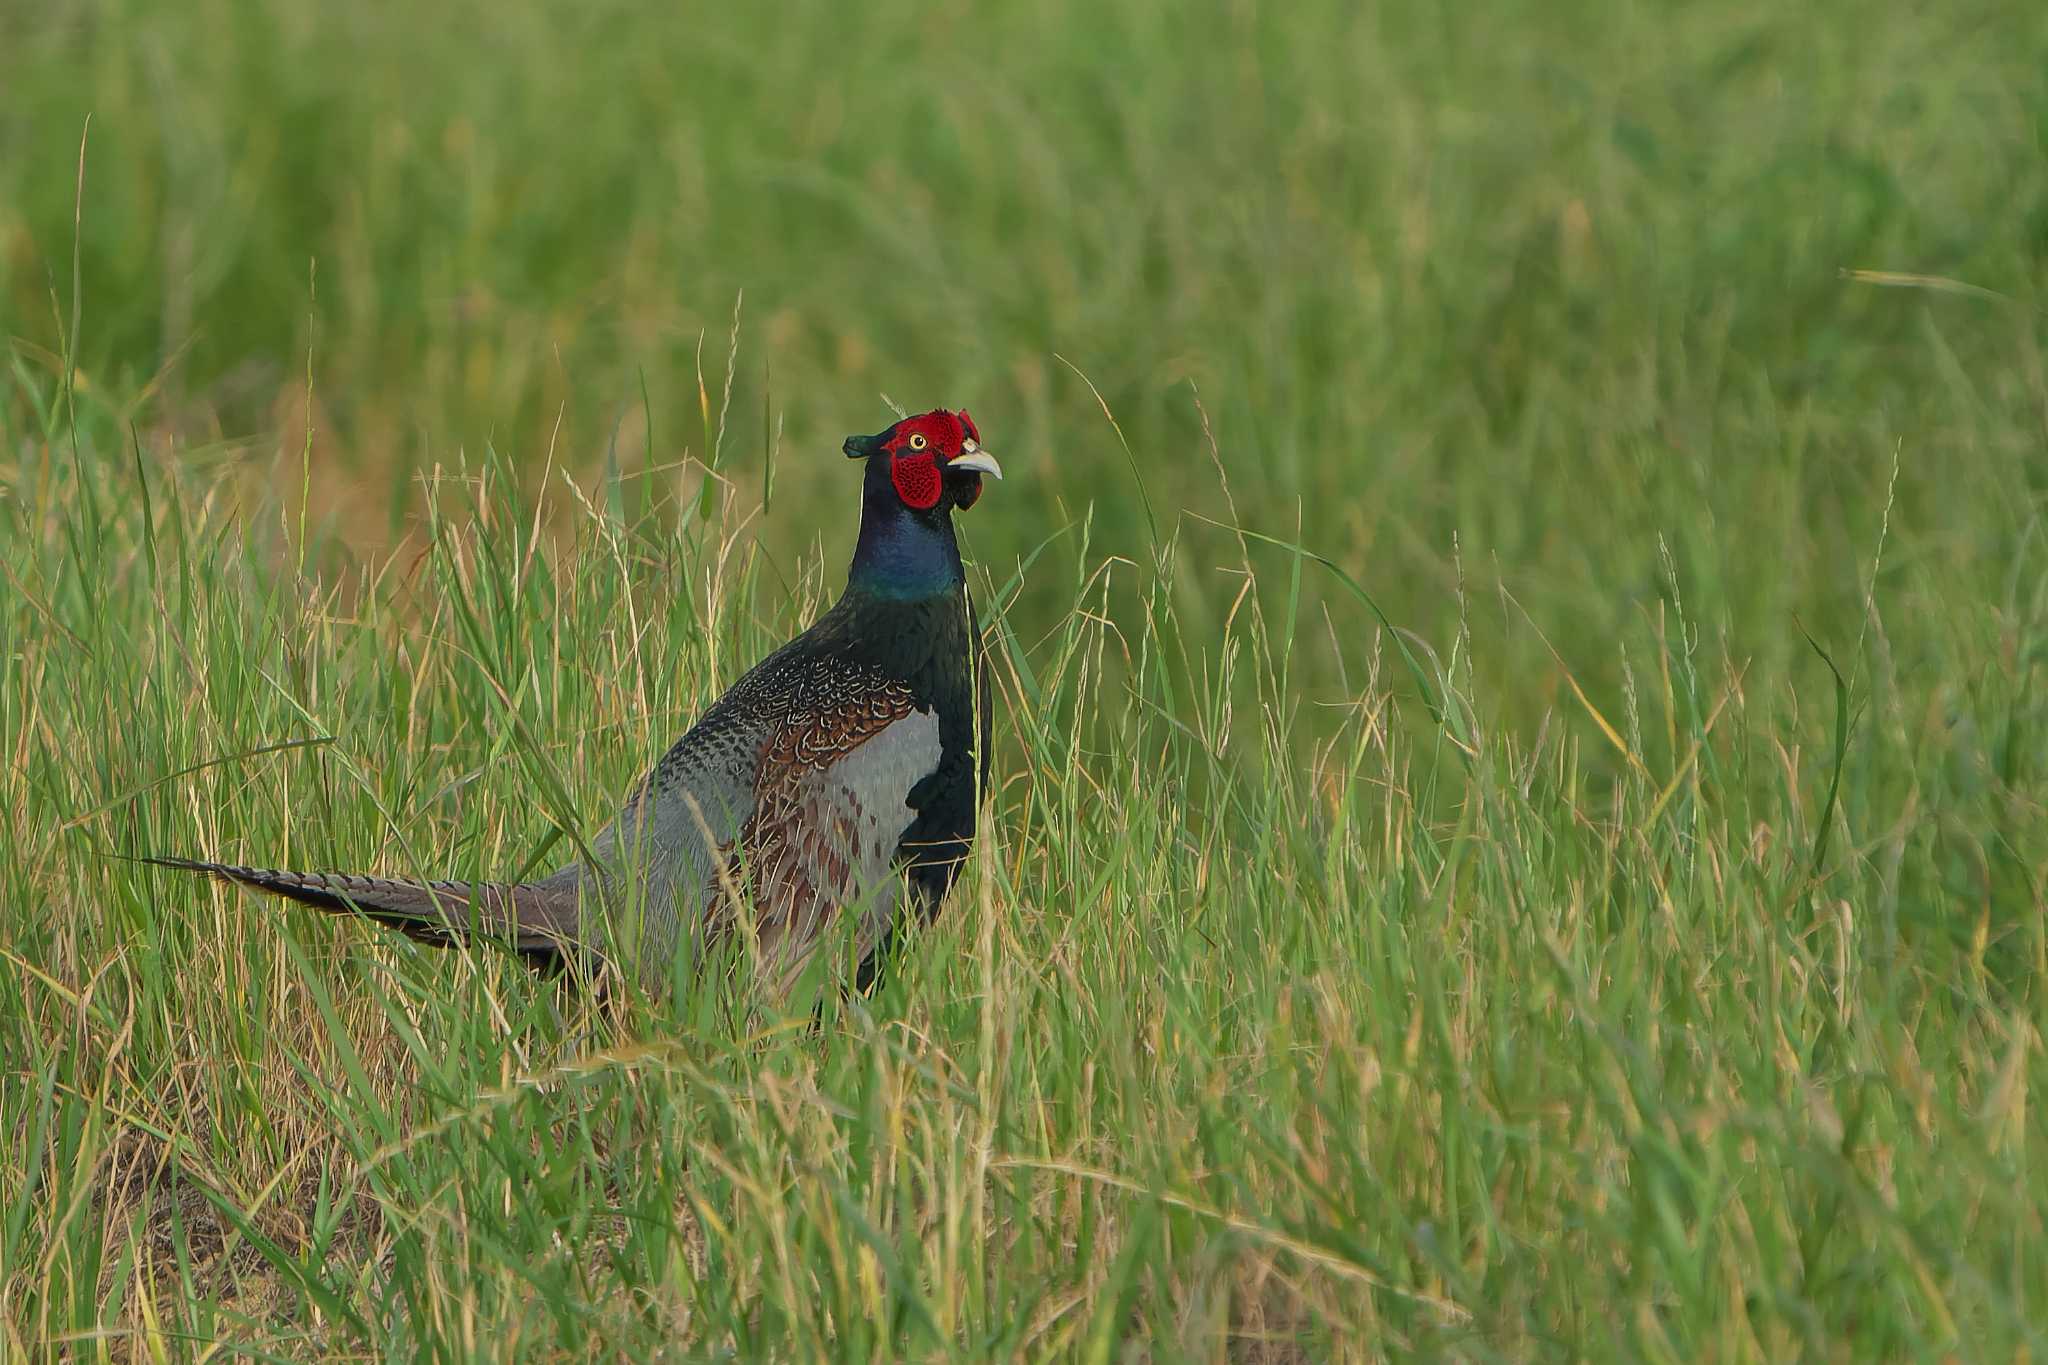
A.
x: 917, y: 473
x: 934, y: 461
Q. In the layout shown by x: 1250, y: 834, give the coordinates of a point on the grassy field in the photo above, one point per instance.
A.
x: 1521, y: 821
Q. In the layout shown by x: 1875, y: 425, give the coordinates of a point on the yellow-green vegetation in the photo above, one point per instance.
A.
x: 1521, y: 820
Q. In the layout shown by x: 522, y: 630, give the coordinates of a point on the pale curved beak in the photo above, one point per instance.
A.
x: 973, y: 457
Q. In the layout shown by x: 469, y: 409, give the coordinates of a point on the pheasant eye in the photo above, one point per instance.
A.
x: 918, y: 442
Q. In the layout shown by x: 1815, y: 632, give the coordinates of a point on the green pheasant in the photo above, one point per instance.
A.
x: 842, y: 773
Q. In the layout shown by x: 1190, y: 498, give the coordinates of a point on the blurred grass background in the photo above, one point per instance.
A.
x: 1656, y: 1026
x: 1529, y: 275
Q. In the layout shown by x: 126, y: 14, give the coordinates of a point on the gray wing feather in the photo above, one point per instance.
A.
x: 658, y: 861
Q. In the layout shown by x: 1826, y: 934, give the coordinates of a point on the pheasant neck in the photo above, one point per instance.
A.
x: 902, y: 553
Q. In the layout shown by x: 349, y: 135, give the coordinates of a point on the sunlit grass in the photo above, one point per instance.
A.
x: 1365, y: 1033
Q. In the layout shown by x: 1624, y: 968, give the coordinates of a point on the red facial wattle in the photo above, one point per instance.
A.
x: 916, y: 477
x: 915, y: 447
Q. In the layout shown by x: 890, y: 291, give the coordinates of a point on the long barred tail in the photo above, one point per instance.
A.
x: 536, y: 919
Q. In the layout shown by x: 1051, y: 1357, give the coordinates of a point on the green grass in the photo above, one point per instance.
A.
x: 1558, y: 965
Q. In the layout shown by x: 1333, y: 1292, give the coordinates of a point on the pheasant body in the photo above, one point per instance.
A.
x: 849, y: 751
x: 840, y: 774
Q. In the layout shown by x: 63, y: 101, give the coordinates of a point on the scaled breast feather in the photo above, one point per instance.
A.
x: 831, y: 808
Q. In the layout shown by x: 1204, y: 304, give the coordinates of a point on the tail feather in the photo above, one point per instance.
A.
x: 538, y: 920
